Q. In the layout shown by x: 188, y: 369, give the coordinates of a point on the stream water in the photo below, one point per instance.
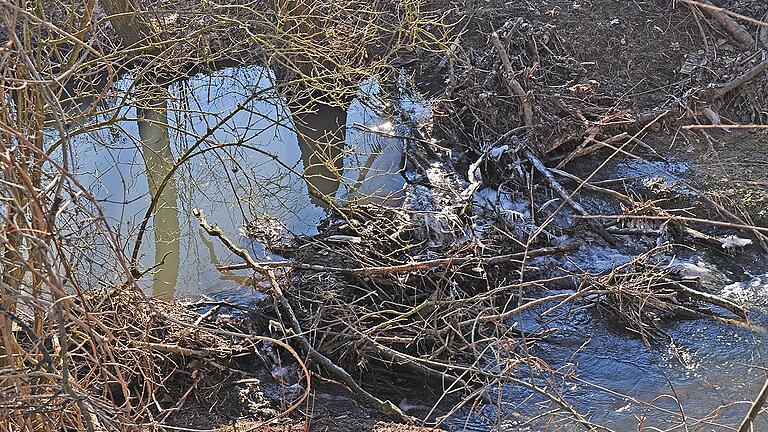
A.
x: 712, y: 368
x: 708, y: 375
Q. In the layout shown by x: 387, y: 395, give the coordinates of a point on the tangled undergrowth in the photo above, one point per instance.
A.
x: 437, y: 291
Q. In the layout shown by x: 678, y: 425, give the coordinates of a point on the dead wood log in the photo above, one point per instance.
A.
x: 703, y: 238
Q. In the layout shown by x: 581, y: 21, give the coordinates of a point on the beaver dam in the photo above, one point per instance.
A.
x: 407, y: 215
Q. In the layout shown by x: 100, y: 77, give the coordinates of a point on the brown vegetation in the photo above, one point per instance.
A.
x: 381, y: 295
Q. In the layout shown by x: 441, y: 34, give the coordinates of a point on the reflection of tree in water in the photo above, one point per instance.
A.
x: 158, y: 158
x: 320, y: 134
x: 320, y: 131
x: 367, y: 168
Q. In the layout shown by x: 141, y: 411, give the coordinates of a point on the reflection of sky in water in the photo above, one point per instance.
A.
x: 230, y: 184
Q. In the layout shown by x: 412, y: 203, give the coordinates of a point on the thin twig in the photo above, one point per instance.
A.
x: 514, y: 85
x: 754, y: 409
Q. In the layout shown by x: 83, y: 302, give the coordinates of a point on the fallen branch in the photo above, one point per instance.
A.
x: 384, y: 406
x: 501, y: 317
x: 179, y: 350
x: 414, y: 266
x: 754, y: 409
x: 588, y: 186
x: 762, y: 238
x: 707, y: 5
x: 711, y: 299
x: 596, y: 226
x: 704, y: 238
x: 736, y: 30
x: 514, y: 85
x: 740, y: 80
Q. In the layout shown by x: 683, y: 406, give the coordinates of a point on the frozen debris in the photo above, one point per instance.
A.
x: 414, y: 178
x: 708, y: 274
x: 496, y: 152
x: 475, y: 178
x: 493, y: 206
x: 548, y: 203
x: 693, y: 269
x: 408, y: 407
x: 473, y: 173
x: 281, y: 374
x: 594, y: 259
x: 387, y: 128
x: 731, y: 242
x: 441, y: 228
x: 344, y: 239
x: 752, y: 290
x: 419, y: 198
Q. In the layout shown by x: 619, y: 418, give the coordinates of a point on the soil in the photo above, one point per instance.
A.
x: 733, y: 167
